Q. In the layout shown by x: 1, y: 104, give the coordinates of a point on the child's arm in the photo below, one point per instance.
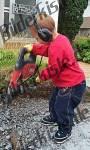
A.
x: 38, y: 49
x: 49, y: 72
x: 55, y: 65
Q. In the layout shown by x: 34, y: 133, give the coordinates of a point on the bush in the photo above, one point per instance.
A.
x: 71, y: 16
x: 7, y: 58
x: 82, y: 44
x: 7, y: 62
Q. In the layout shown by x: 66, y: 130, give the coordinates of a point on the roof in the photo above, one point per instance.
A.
x: 86, y: 23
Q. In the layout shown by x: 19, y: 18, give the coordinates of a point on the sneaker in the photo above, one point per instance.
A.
x: 61, y: 136
x: 47, y: 120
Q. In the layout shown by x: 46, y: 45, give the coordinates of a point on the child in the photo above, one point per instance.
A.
x: 67, y: 77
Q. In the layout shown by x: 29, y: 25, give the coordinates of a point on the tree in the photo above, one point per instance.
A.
x: 71, y: 16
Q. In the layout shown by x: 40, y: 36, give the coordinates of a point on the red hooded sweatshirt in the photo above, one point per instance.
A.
x: 63, y: 67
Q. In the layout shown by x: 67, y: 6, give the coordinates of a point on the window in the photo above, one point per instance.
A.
x: 7, y: 3
x: 6, y: 18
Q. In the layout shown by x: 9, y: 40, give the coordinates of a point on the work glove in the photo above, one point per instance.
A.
x: 26, y: 49
x: 29, y: 47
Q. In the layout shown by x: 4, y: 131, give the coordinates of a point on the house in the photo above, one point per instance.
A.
x: 85, y: 27
x: 6, y: 12
x: 16, y: 13
x: 9, y: 19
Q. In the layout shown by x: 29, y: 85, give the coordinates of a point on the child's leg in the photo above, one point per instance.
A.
x: 63, y: 107
x: 52, y: 118
x: 66, y: 101
x: 52, y: 103
x: 77, y: 94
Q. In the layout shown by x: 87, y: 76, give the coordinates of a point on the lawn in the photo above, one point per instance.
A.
x: 7, y: 58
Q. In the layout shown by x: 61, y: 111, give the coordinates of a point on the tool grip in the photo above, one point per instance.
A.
x: 21, y: 61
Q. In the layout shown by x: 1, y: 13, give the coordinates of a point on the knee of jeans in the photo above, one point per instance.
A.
x: 57, y: 106
x: 76, y: 101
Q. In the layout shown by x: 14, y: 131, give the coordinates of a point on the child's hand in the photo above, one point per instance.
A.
x: 38, y: 80
x: 29, y: 47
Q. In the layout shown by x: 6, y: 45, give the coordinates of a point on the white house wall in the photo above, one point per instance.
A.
x: 10, y: 12
x: 1, y: 12
x: 45, y: 6
x: 87, y: 11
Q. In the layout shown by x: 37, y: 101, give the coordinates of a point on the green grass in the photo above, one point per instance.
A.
x: 43, y: 63
x: 8, y: 58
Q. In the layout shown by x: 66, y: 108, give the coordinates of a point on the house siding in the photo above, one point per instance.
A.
x: 25, y: 2
x: 84, y: 32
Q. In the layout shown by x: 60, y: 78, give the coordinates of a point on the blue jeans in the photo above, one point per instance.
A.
x: 63, y: 101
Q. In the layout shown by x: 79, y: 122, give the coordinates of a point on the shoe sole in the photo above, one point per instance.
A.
x: 48, y: 124
x: 63, y: 140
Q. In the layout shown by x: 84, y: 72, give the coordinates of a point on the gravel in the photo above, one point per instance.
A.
x: 21, y: 128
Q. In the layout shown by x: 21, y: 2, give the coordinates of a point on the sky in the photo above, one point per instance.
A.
x: 87, y: 11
